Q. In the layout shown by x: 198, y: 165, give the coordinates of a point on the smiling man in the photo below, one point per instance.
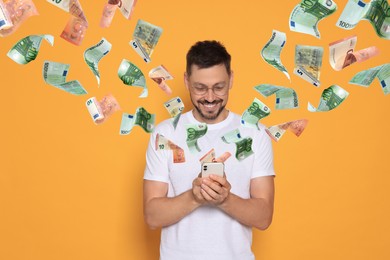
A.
x: 208, y: 218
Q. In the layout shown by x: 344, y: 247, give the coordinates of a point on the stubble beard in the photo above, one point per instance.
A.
x: 209, y: 116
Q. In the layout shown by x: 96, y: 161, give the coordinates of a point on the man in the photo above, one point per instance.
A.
x: 212, y: 217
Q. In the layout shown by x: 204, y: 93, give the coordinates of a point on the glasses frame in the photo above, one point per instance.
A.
x: 205, y: 90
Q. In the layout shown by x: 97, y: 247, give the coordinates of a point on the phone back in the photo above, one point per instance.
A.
x: 216, y: 168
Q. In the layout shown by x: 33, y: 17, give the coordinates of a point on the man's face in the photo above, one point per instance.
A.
x: 209, y: 92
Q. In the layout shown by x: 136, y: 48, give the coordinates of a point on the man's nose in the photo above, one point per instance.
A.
x: 210, y: 95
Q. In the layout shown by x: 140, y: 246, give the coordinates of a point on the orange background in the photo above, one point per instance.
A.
x: 70, y: 189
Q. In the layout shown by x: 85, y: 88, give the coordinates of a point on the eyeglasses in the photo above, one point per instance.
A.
x: 217, y: 90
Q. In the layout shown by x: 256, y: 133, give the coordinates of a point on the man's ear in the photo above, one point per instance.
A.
x: 231, y: 79
x: 186, y: 80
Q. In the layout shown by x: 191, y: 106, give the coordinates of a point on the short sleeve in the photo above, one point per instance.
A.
x: 263, y: 164
x: 157, y: 168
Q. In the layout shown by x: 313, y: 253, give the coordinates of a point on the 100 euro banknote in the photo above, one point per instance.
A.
x: 286, y: 98
x: 26, y: 49
x: 54, y: 73
x: 375, y: 11
x: 94, y: 54
x: 271, y: 51
x: 331, y: 98
x: 131, y: 75
x: 364, y: 78
x: 306, y: 15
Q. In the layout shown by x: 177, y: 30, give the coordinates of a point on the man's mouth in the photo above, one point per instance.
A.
x: 209, y: 104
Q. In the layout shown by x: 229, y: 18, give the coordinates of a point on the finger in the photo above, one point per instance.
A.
x: 206, y: 195
x: 219, y: 179
x: 215, y: 186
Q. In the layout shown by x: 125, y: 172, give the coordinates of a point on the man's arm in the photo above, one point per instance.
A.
x: 256, y: 211
x: 161, y: 211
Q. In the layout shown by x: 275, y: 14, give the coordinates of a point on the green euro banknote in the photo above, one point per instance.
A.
x: 244, y: 148
x: 142, y: 118
x: 365, y: 77
x: 286, y: 98
x: 276, y: 132
x: 271, y: 51
x: 243, y: 145
x: 26, y: 49
x: 145, y: 38
x: 232, y: 137
x: 256, y: 111
x: 308, y: 62
x: 175, y: 107
x: 94, y: 54
x: 376, y: 11
x: 55, y: 73
x: 194, y: 132
x: 307, y: 14
x: 331, y: 98
x: 131, y: 75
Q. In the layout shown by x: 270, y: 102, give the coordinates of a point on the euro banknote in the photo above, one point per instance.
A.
x: 13, y: 13
x: 286, y: 98
x: 142, y: 118
x: 175, y: 107
x: 54, y: 73
x: 94, y: 54
x: 331, y: 98
x: 375, y: 11
x: 159, y: 75
x: 145, y: 38
x: 342, y: 54
x: 126, y: 7
x: 256, y: 111
x: 194, y: 132
x: 308, y: 62
x: 163, y: 143
x: 271, y: 51
x: 77, y: 25
x: 100, y: 111
x: 210, y: 157
x: 131, y: 75
x: 243, y: 145
x: 108, y: 14
x: 307, y: 14
x: 364, y: 78
x: 26, y: 49
x: 297, y: 126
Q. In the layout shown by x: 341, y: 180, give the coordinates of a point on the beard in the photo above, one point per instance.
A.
x: 206, y: 115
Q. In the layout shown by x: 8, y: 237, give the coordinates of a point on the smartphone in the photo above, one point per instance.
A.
x: 217, y: 168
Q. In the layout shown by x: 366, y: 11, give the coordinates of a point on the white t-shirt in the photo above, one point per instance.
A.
x: 207, y: 233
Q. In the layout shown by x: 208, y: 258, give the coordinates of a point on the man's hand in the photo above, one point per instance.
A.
x: 196, y: 190
x: 215, y: 189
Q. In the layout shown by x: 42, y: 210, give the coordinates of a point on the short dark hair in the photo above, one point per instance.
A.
x: 206, y: 54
